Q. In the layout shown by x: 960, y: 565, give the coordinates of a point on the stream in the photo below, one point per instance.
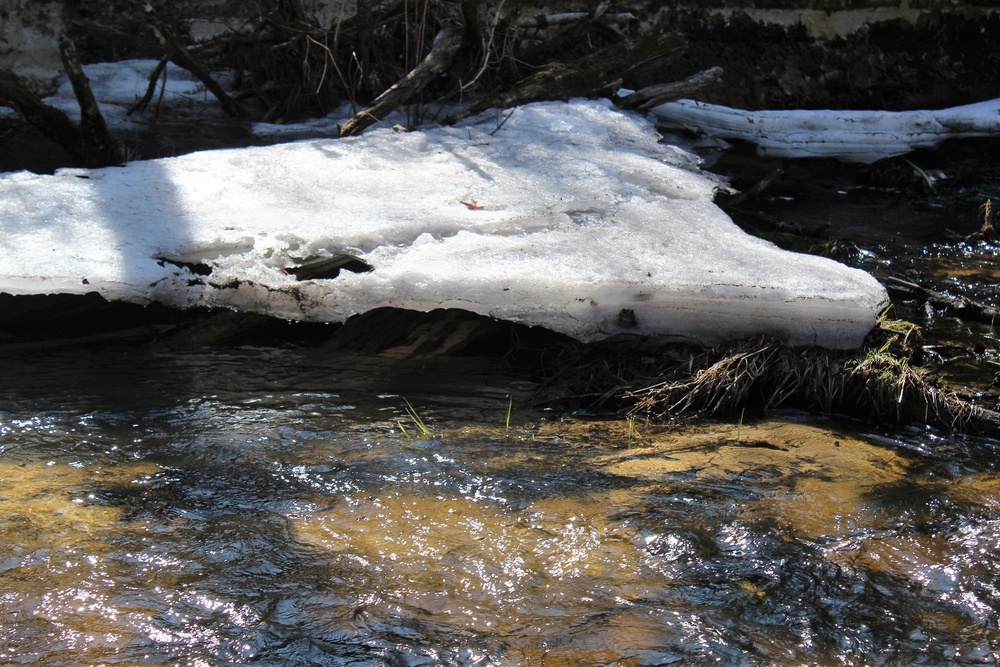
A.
x: 281, y: 506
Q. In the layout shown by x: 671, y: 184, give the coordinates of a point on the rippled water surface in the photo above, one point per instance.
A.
x: 266, y: 507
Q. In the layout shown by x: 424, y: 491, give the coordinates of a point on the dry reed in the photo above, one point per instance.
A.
x: 880, y: 382
x: 763, y: 374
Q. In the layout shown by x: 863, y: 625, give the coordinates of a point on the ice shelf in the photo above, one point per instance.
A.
x: 570, y: 216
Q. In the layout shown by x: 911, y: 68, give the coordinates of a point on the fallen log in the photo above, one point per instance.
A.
x: 541, y: 21
x: 445, y: 47
x: 596, y: 75
x: 652, y: 96
x: 851, y: 136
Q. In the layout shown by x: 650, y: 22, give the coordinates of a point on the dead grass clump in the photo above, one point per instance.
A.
x: 761, y: 374
x: 882, y: 385
x: 882, y: 381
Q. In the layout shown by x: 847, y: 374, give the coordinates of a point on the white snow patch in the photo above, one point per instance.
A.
x: 565, y: 217
x: 119, y: 85
x: 178, y: 97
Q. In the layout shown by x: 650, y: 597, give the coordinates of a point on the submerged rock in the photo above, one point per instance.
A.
x: 570, y: 216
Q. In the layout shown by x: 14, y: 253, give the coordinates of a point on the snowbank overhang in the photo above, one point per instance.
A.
x: 850, y: 136
x: 570, y: 216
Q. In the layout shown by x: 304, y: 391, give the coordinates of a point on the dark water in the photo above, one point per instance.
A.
x: 263, y: 506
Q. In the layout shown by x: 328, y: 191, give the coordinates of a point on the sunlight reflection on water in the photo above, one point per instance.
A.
x: 277, y: 516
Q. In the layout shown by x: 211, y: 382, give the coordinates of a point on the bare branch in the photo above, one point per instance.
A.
x: 446, y: 46
x: 182, y: 57
x: 653, y: 96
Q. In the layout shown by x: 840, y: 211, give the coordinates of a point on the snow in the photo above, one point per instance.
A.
x: 178, y: 96
x: 851, y: 136
x: 563, y: 217
x: 118, y: 86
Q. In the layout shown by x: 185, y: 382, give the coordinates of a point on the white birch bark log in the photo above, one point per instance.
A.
x: 852, y: 136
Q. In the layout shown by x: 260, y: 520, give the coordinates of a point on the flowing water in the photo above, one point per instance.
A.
x: 281, y: 507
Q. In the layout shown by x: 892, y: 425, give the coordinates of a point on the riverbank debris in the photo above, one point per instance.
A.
x: 883, y: 382
x: 879, y: 382
x: 893, y: 380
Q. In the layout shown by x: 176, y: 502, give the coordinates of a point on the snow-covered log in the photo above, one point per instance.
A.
x: 571, y: 216
x: 852, y: 136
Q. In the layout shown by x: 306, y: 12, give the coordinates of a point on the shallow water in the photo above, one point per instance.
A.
x: 263, y: 506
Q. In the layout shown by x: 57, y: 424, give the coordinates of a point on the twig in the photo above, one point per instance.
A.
x: 923, y: 176
x: 759, y: 187
x: 487, y: 49
x: 960, y: 307
x: 161, y: 68
x: 987, y: 231
x: 502, y: 122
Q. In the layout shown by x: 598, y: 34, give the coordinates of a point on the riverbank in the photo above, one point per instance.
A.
x: 935, y: 361
x: 918, y: 223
